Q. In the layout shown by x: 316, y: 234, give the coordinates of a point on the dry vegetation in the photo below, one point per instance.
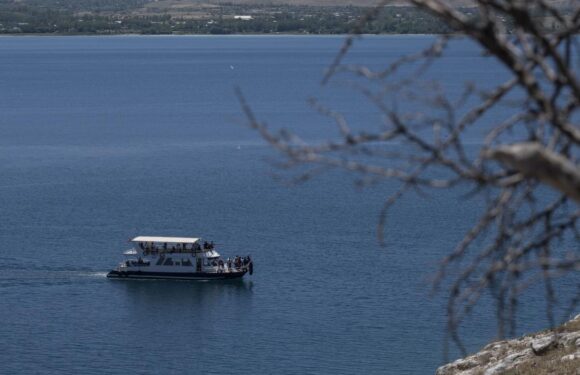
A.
x: 518, y: 356
x: 549, y: 364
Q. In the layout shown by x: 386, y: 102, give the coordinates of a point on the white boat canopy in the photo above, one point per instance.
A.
x: 165, y: 239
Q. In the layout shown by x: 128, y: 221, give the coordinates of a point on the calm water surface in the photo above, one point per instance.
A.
x: 102, y: 139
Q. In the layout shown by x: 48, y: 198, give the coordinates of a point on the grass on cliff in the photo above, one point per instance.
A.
x: 551, y: 363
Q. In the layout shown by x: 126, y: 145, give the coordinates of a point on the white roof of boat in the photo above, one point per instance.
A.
x: 165, y: 239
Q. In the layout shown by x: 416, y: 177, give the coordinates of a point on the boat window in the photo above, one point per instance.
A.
x: 168, y: 262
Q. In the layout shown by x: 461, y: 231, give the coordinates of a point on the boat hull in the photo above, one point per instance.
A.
x: 176, y: 275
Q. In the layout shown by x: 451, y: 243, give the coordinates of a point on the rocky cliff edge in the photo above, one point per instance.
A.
x: 554, y: 351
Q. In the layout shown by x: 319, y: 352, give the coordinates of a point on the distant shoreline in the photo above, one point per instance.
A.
x: 66, y: 18
x: 21, y: 35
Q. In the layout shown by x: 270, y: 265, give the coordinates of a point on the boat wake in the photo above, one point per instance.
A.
x: 93, y: 274
x: 41, y: 277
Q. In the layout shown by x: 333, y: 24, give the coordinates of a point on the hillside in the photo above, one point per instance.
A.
x: 321, y: 3
x: 105, y: 17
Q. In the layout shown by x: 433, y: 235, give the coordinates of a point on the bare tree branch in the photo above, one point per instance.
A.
x: 522, y: 237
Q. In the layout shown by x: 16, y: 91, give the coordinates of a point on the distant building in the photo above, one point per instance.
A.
x: 243, y: 18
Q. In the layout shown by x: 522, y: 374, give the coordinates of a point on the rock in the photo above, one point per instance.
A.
x: 448, y: 369
x: 494, y: 346
x: 570, y: 338
x: 508, y: 362
x: 458, y: 365
x: 570, y: 357
x: 497, y: 369
x: 577, y: 343
x: 466, y: 364
x: 544, y: 344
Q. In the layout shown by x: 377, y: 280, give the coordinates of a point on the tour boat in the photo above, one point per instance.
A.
x: 179, y: 258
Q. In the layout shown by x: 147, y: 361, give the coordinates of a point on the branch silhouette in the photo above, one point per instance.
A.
x: 526, y: 168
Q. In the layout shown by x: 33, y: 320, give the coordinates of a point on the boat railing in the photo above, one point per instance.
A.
x: 171, y: 251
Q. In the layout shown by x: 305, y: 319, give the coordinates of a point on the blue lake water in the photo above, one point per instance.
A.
x: 105, y: 138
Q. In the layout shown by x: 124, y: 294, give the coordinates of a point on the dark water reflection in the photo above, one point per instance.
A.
x: 193, y: 296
